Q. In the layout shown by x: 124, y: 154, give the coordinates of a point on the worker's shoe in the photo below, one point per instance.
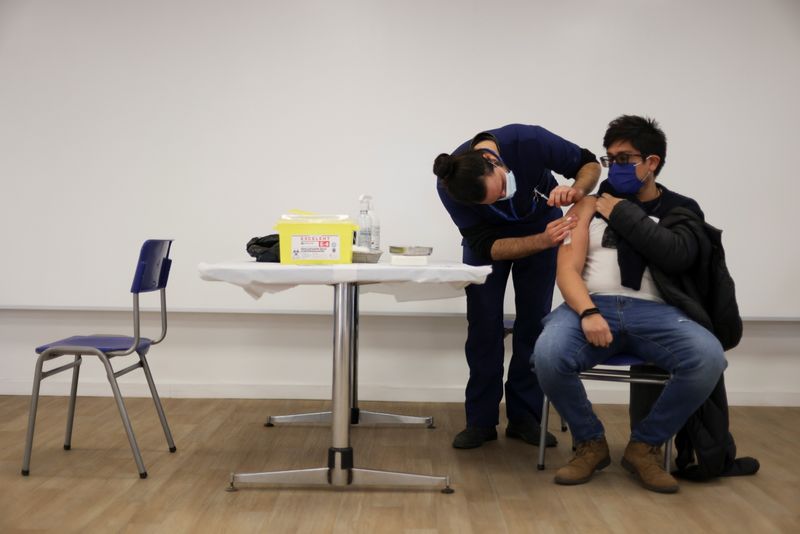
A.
x: 473, y: 437
x: 590, y: 456
x: 528, y: 431
x: 647, y: 463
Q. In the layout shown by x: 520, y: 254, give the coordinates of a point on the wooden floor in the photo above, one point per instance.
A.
x: 95, y: 486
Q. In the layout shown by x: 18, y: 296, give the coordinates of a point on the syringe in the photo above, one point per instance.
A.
x: 535, y: 190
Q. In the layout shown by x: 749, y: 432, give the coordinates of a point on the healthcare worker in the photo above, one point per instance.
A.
x: 500, y: 192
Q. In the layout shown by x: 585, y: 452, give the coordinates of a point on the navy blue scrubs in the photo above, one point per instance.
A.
x: 532, y: 153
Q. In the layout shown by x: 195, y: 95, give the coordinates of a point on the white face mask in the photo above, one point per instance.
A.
x: 511, y: 185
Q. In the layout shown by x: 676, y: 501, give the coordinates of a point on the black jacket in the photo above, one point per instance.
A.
x: 706, y: 448
x: 687, y: 261
x: 644, y: 243
x: 706, y: 292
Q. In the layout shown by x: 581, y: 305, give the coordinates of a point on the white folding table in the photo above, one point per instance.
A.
x: 437, y: 280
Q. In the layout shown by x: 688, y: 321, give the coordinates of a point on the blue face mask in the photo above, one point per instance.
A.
x: 623, y: 178
x: 511, y: 185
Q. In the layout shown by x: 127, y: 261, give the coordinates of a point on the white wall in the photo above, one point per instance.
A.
x: 239, y: 110
x: 278, y: 356
x: 217, y: 116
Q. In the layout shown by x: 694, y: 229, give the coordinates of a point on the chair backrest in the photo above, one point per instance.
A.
x: 152, y: 269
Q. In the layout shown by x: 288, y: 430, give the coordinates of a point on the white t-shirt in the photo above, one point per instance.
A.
x: 601, y: 270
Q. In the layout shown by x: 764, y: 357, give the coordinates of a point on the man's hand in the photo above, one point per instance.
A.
x: 605, y: 204
x: 557, y: 230
x: 596, y: 330
x: 564, y: 195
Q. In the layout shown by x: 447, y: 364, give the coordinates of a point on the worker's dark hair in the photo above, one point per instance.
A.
x: 462, y: 175
x: 643, y: 133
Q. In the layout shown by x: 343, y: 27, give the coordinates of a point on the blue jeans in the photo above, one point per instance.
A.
x: 660, y: 334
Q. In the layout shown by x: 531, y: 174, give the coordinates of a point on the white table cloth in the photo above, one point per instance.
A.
x: 419, y: 282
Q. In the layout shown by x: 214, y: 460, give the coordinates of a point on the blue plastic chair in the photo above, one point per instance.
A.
x: 152, y: 273
x: 607, y: 372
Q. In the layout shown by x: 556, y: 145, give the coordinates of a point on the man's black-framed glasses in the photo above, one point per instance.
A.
x: 622, y: 159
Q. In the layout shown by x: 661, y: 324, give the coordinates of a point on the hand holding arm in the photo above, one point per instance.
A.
x: 606, y: 204
x: 672, y: 250
x: 512, y: 248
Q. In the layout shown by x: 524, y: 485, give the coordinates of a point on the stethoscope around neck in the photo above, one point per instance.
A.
x: 535, y: 200
x: 510, y: 218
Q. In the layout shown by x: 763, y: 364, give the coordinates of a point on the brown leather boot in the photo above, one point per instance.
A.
x: 647, y: 463
x: 590, y: 456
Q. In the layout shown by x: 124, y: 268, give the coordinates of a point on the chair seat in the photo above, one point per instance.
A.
x: 624, y: 359
x: 101, y: 343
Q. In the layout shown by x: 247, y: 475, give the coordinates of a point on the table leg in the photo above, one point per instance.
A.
x: 357, y: 415
x: 302, y: 418
x: 340, y: 470
x: 317, y: 476
x: 374, y: 478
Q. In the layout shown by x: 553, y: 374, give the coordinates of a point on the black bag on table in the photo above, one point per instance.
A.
x: 265, y: 249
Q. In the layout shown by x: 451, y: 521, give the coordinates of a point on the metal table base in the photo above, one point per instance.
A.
x: 354, y: 476
x: 340, y: 470
x: 357, y: 415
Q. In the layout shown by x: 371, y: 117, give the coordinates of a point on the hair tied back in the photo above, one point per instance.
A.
x: 443, y: 165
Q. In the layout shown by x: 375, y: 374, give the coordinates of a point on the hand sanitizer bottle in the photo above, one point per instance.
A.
x: 364, y: 236
x: 369, y: 227
x: 375, y: 230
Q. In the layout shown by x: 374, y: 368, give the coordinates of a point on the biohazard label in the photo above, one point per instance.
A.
x: 315, y: 247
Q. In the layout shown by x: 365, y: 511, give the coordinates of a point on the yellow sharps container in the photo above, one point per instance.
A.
x: 310, y: 239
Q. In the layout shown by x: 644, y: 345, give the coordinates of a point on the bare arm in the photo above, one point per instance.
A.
x: 587, y: 177
x: 572, y: 257
x: 571, y: 261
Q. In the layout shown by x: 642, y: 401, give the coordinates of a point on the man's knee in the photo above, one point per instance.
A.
x: 549, y: 353
x: 716, y: 361
x: 708, y: 355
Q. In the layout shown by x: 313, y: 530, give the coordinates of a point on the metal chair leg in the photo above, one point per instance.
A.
x: 668, y: 455
x: 73, y: 394
x: 37, y: 380
x: 157, y: 401
x: 543, y: 432
x: 126, y: 422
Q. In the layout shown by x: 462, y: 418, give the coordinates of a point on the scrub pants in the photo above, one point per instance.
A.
x: 533, y: 278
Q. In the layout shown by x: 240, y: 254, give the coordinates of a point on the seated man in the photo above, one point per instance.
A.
x: 613, y: 277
